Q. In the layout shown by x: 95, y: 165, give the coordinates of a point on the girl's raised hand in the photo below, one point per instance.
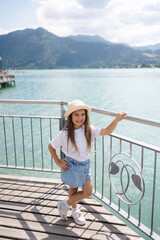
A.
x: 120, y: 116
x: 63, y: 164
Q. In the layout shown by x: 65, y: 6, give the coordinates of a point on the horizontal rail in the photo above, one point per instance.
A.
x: 25, y: 116
x: 136, y: 142
x: 150, y: 122
x: 31, y: 169
x: 33, y: 101
x: 154, y: 123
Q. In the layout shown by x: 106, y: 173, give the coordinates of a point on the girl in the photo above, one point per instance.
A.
x: 75, y: 140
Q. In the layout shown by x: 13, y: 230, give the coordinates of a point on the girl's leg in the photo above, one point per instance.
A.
x: 74, y: 197
x: 63, y: 207
x: 72, y: 191
x: 77, y: 196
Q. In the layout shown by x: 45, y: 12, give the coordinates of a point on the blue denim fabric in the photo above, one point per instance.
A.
x: 77, y: 173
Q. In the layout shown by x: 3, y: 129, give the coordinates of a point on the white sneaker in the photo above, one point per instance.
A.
x: 78, y: 217
x: 63, y: 209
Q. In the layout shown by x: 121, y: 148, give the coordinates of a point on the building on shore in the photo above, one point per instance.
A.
x: 6, y: 78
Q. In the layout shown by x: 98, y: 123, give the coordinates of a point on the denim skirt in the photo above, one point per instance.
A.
x: 77, y: 173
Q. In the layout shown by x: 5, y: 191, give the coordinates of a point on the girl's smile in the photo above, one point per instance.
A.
x: 78, y: 118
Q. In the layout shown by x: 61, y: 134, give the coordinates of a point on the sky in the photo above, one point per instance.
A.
x: 134, y: 22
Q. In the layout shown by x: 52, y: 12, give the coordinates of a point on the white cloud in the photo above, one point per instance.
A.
x: 153, y: 6
x: 94, y: 3
x: 135, y: 21
x: 69, y: 17
x: 3, y: 31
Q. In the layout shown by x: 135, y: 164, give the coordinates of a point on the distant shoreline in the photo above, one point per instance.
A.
x: 131, y: 66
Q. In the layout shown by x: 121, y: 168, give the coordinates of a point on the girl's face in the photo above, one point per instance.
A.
x: 78, y: 118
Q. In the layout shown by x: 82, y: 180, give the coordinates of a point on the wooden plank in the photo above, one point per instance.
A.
x: 26, y: 204
x: 21, y: 234
x: 27, y: 197
x: 42, y: 209
x: 12, y: 205
x: 98, y: 235
x: 41, y: 227
x: 49, y: 181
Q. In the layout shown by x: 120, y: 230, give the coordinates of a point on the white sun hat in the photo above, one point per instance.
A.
x: 76, y: 105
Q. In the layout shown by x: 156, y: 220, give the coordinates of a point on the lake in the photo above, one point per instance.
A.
x: 136, y: 91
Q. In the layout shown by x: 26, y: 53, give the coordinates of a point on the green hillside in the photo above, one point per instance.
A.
x: 41, y: 49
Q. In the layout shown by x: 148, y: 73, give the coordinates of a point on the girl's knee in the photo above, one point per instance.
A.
x: 87, y: 193
x: 87, y: 190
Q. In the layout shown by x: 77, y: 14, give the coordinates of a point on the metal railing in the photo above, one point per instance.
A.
x: 124, y: 170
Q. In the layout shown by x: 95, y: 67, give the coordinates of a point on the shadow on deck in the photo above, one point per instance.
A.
x: 28, y: 210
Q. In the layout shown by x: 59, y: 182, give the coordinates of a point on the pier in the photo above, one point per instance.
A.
x: 6, y: 78
x: 28, y: 210
x: 122, y: 182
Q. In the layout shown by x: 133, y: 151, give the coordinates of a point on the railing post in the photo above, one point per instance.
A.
x: 62, y: 123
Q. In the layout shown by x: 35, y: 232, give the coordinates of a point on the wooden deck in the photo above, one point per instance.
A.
x: 28, y: 210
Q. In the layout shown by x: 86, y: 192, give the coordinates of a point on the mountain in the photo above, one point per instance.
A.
x: 88, y: 38
x: 41, y: 49
x: 149, y: 47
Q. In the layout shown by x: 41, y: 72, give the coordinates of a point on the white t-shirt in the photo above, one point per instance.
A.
x: 83, y: 152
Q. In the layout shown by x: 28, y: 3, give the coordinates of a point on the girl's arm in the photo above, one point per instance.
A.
x: 60, y: 163
x: 109, y: 129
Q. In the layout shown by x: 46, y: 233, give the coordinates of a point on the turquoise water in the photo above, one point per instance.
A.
x: 136, y: 91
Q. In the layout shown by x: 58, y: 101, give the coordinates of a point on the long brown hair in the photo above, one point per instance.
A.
x: 87, y: 130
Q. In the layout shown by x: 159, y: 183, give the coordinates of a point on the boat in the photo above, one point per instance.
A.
x: 6, y: 77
